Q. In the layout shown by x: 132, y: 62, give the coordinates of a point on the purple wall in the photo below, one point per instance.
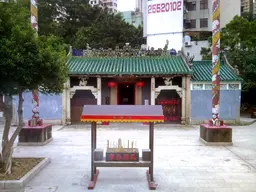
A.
x: 50, y: 106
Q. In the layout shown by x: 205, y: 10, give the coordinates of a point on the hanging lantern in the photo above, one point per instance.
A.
x: 111, y: 84
x: 140, y: 84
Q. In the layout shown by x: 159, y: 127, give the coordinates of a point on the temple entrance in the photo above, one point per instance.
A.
x: 81, y: 98
x: 171, y: 103
x: 126, y: 94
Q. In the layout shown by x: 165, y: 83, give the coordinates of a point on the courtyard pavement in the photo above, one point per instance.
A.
x: 182, y: 162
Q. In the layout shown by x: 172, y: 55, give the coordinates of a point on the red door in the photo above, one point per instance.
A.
x: 171, y: 109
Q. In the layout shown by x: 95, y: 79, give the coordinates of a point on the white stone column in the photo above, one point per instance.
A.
x: 68, y: 120
x: 183, y: 101
x: 98, y: 90
x: 153, y: 86
x: 188, y: 100
x: 64, y: 105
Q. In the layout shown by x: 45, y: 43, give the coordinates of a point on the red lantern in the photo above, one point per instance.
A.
x: 111, y: 84
x: 140, y: 84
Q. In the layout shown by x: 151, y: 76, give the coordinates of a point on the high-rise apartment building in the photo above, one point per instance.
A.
x: 246, y: 6
x: 139, y: 5
x: 110, y: 4
x: 198, y: 13
x: 133, y: 17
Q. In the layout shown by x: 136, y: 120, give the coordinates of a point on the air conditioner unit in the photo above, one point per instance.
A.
x: 187, y: 41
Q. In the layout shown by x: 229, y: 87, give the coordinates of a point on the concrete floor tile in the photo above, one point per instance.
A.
x: 182, y: 163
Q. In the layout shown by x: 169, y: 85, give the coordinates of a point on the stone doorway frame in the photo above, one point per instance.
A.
x: 183, y: 92
x: 69, y: 92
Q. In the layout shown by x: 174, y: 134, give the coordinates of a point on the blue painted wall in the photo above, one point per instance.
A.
x: 50, y: 106
x: 201, y: 107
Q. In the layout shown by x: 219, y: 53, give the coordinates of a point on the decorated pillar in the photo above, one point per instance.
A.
x: 215, y: 132
x: 153, y: 87
x: 98, y: 90
x: 35, y: 97
x: 215, y: 61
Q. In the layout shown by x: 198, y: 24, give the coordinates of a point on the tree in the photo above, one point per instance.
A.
x: 241, y: 45
x: 206, y: 53
x: 27, y: 62
x: 101, y: 35
x: 78, y: 23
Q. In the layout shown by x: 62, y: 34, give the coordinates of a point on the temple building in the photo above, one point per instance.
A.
x: 140, y: 77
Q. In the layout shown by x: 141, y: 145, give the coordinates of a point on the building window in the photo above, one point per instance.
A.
x: 223, y: 86
x: 208, y: 86
x: 191, y: 6
x: 197, y: 86
x: 233, y: 86
x: 193, y: 23
x: 203, y: 4
x: 204, y: 23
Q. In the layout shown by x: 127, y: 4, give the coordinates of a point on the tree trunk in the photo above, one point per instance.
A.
x: 6, y: 152
x: 7, y: 145
x: 20, y: 119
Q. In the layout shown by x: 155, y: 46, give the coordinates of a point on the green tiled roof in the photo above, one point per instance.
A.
x: 128, y: 66
x: 202, y: 71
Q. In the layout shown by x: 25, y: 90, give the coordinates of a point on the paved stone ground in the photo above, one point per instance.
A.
x: 182, y: 163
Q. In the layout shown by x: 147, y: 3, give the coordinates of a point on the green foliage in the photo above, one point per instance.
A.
x: 206, y: 53
x: 19, y: 50
x: 54, y: 69
x: 101, y: 35
x: 80, y: 24
x: 249, y: 16
x: 241, y: 44
x: 27, y: 61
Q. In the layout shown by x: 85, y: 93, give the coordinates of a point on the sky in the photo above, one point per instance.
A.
x: 126, y: 5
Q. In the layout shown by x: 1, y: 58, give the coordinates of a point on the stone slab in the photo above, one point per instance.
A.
x: 35, y: 143
x: 37, y: 134
x: 146, y: 154
x: 19, y: 185
x: 98, y: 154
x: 216, y: 143
x: 215, y: 134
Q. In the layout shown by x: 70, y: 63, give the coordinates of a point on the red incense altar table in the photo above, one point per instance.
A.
x: 122, y: 113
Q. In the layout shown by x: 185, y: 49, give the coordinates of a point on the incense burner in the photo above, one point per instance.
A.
x: 120, y: 153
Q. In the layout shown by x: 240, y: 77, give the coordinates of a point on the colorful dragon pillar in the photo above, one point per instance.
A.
x: 215, y: 61
x: 35, y: 98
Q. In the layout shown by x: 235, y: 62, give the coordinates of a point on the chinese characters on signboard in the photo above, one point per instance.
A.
x: 122, y: 157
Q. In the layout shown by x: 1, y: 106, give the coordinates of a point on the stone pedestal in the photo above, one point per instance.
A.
x: 98, y: 154
x: 35, y: 135
x: 215, y: 135
x: 146, y: 154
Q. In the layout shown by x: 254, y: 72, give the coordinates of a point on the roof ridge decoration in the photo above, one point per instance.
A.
x: 126, y: 51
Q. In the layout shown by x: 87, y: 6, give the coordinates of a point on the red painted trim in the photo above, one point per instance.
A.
x: 117, y: 117
x: 44, y: 126
x: 93, y: 183
x: 151, y: 184
x: 207, y: 126
x: 125, y: 83
x: 134, y: 97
